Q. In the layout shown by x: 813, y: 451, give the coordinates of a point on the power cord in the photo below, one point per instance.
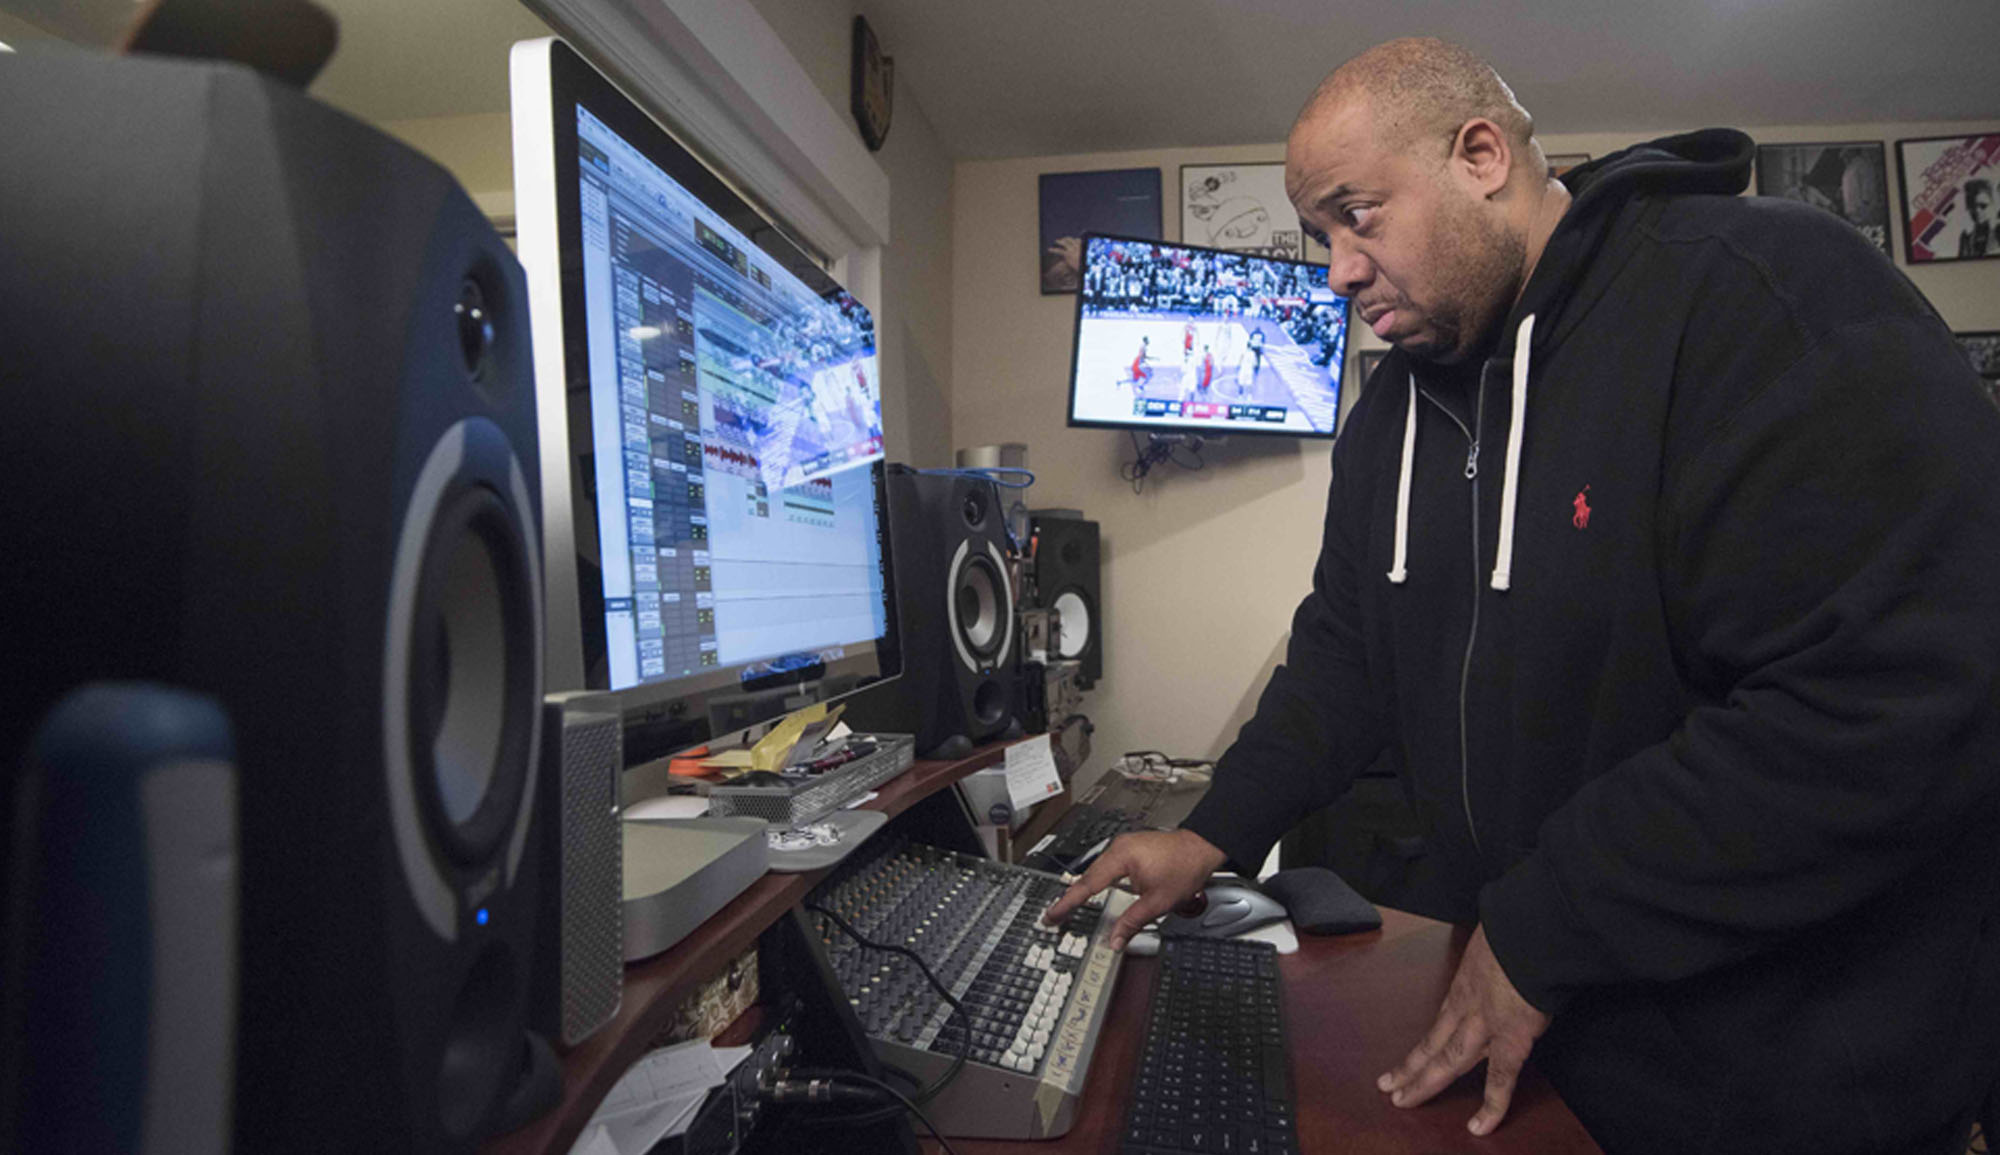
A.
x: 924, y: 1094
x: 822, y: 1087
x: 1160, y: 450
x: 914, y: 1109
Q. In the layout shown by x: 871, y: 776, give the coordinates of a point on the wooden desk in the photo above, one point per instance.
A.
x: 653, y: 988
x: 1354, y: 1006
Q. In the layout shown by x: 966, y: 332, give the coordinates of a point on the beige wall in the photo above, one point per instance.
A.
x: 478, y: 150
x: 1203, y: 569
x: 916, y: 334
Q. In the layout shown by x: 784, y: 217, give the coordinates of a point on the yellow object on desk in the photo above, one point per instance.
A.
x: 774, y: 751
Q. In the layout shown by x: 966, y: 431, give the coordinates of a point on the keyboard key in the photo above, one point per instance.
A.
x: 1214, y: 1074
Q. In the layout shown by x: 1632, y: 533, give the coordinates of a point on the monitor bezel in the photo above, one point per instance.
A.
x: 1209, y: 430
x: 555, y: 81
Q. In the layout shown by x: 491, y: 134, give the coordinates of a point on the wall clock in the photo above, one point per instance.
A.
x: 872, y: 86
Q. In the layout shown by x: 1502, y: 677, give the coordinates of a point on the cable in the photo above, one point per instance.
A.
x: 999, y: 475
x: 821, y: 1088
x: 914, y: 1110
x: 1160, y: 449
x: 926, y: 1094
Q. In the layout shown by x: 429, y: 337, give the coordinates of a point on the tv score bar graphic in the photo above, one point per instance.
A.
x: 1208, y: 410
x: 1176, y: 338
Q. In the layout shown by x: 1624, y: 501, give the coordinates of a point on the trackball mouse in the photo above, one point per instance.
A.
x: 1222, y: 909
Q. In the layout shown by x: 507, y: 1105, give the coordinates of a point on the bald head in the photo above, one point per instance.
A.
x: 1417, y: 169
x: 1420, y: 91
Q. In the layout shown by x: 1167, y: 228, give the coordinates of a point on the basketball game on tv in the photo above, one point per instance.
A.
x: 1184, y: 339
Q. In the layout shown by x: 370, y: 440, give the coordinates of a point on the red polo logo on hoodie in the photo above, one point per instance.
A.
x: 1582, y: 518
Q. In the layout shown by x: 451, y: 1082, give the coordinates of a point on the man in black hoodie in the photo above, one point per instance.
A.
x: 1693, y: 673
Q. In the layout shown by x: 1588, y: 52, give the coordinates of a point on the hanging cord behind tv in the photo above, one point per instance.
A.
x: 1182, y: 449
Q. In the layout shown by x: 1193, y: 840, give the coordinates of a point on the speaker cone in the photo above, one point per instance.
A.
x: 470, y: 681
x: 1076, y: 624
x: 979, y: 605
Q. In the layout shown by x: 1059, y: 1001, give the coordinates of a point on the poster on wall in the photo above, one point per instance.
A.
x: 1849, y: 180
x: 1983, y: 350
x: 1951, y: 197
x: 1240, y: 207
x: 1122, y: 202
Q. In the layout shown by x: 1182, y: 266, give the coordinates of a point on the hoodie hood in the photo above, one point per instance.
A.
x: 1713, y: 160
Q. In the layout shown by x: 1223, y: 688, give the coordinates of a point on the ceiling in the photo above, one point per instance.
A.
x: 401, y: 59
x: 1032, y: 77
x: 1009, y: 79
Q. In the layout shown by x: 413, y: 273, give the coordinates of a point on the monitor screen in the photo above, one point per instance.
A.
x: 712, y: 397
x: 1177, y: 339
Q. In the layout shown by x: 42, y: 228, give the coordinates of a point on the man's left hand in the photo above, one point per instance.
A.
x: 1483, y: 1017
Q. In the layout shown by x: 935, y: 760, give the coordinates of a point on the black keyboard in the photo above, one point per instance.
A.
x: 1080, y: 828
x: 1213, y: 1073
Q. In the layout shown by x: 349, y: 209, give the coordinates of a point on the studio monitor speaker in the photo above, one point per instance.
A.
x: 955, y: 613
x: 1066, y: 580
x: 119, y: 935
x: 269, y: 438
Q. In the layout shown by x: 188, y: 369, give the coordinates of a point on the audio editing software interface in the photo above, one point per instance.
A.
x: 733, y: 413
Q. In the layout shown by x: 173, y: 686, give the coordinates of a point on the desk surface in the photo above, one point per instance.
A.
x: 1354, y: 1006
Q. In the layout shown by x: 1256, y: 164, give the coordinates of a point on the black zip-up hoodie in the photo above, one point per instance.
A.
x: 1681, y: 615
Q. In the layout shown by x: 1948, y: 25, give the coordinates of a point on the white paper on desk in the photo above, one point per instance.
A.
x: 656, y: 1099
x: 635, y: 1132
x: 1031, y: 772
x: 595, y: 1140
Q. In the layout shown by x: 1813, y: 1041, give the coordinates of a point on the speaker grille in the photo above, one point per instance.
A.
x: 593, y: 925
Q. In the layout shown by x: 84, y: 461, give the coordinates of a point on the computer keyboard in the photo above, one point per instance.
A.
x: 1214, y: 1076
x: 1082, y: 827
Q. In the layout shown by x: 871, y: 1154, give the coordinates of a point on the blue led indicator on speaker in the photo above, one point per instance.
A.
x: 481, y: 916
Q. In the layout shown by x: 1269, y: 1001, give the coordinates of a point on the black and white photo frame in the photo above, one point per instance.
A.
x: 1849, y: 179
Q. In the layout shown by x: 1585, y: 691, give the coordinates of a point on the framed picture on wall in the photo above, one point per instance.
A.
x: 1365, y: 361
x: 1849, y: 180
x: 1562, y: 162
x: 1124, y: 202
x: 1983, y: 350
x: 1951, y: 197
x: 1241, y: 207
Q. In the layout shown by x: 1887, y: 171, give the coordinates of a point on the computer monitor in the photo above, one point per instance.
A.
x: 1180, y: 339
x: 710, y: 423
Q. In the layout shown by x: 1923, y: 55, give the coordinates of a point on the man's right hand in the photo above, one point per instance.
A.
x: 1166, y: 868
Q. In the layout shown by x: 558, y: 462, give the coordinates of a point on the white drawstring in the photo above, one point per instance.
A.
x: 1398, y: 573
x: 1503, y: 562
